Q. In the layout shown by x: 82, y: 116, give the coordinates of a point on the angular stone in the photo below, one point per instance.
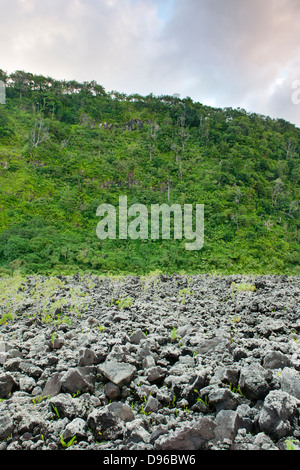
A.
x: 122, y: 410
x: 119, y: 373
x: 112, y: 391
x: 290, y: 382
x: 57, y: 343
x: 78, y: 428
x: 77, y: 380
x: 254, y: 381
x: 276, y: 360
x: 156, y: 374
x: 87, y: 357
x: 267, y: 327
x: 277, y: 414
x: 105, y: 424
x: 148, y: 362
x: 30, y: 369
x: 7, y: 384
x: 5, y: 347
x: 192, y: 437
x: 53, y: 386
x: 135, y: 432
x: 64, y: 405
x: 229, y: 376
x: 137, y: 336
x: 228, y: 423
x: 223, y: 399
x: 32, y: 422
x: 12, y: 364
x: 27, y: 384
x: 153, y: 405
x: 217, y: 344
x: 6, y: 427
x: 3, y: 358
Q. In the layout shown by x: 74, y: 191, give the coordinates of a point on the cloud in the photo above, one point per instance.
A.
x: 107, y: 40
x: 235, y: 52
x: 219, y: 52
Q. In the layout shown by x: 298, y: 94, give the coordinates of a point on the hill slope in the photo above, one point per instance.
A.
x: 67, y: 147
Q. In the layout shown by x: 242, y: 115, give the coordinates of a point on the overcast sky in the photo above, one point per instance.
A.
x: 224, y: 53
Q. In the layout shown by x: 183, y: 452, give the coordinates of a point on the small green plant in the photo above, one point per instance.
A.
x: 53, y: 337
x: 183, y: 294
x: 39, y: 399
x: 143, y: 412
x: 235, y: 319
x: 289, y: 443
x: 243, y: 287
x: 68, y: 444
x: 56, y: 411
x: 236, y: 390
x: 173, y: 401
x: 124, y: 302
x: 202, y: 400
x: 6, y: 317
x: 101, y: 328
x: 174, y: 335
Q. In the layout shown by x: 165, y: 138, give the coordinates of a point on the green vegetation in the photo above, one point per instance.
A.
x: 68, y: 444
x: 67, y: 147
x: 124, y: 302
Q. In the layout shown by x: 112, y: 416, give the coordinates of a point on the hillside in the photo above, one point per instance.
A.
x: 67, y: 147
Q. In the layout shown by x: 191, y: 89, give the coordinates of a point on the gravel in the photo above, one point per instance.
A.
x: 158, y: 363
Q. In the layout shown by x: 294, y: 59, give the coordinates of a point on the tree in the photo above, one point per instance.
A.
x: 277, y: 190
x: 38, y: 135
x: 154, y: 129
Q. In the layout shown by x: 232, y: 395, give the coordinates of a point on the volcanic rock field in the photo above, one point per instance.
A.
x: 157, y: 363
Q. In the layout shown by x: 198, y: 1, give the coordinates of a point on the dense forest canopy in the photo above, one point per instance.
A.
x: 67, y: 147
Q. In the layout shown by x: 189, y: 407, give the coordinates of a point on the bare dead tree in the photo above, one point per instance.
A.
x: 39, y: 134
x: 290, y: 148
x: 153, y: 131
x: 277, y: 190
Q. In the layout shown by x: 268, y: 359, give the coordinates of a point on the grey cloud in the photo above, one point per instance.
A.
x: 219, y: 52
x: 236, y: 51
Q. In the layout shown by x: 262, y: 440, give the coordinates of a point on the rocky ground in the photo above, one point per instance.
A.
x: 159, y: 363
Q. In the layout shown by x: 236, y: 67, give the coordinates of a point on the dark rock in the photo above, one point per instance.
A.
x: 229, y: 376
x: 254, y: 381
x: 227, y: 424
x: 122, y: 410
x: 63, y: 406
x: 78, y: 379
x: 192, y: 437
x: 152, y: 405
x: 148, y: 362
x: 267, y: 327
x: 77, y: 427
x: 53, y: 386
x: 105, y: 424
x: 136, y: 432
x: 119, y: 373
x: 7, y: 385
x: 30, y: 369
x: 275, y: 360
x: 290, y: 382
x: 277, y: 414
x: 6, y: 426
x: 155, y: 375
x: 137, y: 337
x: 223, y: 399
x: 112, y: 391
x: 87, y: 357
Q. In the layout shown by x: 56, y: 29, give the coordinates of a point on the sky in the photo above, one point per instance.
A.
x: 222, y: 53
